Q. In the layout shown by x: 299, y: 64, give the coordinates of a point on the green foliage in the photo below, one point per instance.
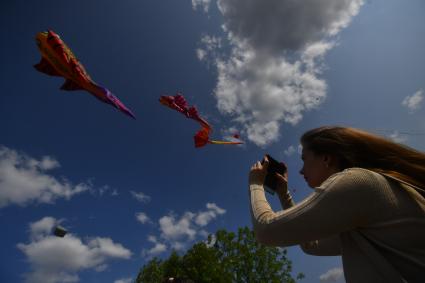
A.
x: 226, y: 257
x: 153, y: 272
x: 202, y: 264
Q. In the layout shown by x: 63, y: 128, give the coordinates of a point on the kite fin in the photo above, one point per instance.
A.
x: 45, y: 67
x: 70, y: 85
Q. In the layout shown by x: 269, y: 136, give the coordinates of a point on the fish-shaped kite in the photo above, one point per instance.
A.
x: 202, y: 137
x: 58, y: 60
x: 179, y: 103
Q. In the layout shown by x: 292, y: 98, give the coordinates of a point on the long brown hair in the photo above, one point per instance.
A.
x: 357, y: 148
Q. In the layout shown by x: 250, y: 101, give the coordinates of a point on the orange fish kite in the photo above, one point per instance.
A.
x: 58, y: 60
x: 202, y: 138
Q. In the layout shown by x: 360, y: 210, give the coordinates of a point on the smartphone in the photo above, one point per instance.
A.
x: 274, y: 167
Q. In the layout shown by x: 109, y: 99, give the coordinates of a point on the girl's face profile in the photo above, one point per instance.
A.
x: 316, y: 168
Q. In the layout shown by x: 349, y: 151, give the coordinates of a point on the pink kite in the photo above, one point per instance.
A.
x: 178, y: 103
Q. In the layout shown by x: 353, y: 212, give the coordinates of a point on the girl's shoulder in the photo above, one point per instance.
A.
x: 354, y: 176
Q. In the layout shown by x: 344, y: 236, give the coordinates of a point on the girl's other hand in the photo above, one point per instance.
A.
x: 281, y: 183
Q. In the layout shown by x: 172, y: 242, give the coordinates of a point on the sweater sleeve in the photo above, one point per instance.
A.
x: 323, y: 247
x: 341, y: 203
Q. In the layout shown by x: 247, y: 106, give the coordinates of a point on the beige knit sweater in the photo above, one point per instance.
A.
x: 375, y: 223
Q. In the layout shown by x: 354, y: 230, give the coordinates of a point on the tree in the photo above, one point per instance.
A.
x: 225, y: 257
x: 153, y: 272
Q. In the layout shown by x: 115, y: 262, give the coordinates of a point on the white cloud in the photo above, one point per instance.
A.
x: 332, y: 275
x: 277, y: 25
x: 272, y: 73
x: 314, y: 52
x: 55, y: 259
x: 106, y: 248
x: 204, y: 4
x: 397, y: 137
x: 210, y: 44
x: 260, y: 91
x: 124, y: 280
x: 215, y: 208
x: 290, y: 150
x: 177, y: 232
x: 413, y: 102
x: 173, y: 229
x: 158, y: 247
x: 47, y: 163
x: 24, y: 179
x: 204, y: 217
x: 101, y: 267
x: 203, y: 233
x: 300, y: 149
x: 293, y: 149
x: 178, y: 246
x: 140, y: 196
x: 201, y: 54
x: 103, y: 191
x: 43, y: 227
x: 142, y: 217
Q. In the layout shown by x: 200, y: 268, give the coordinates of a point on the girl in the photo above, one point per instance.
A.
x: 368, y: 205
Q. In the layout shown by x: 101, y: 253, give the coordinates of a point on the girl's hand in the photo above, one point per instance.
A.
x: 258, y: 172
x: 281, y: 184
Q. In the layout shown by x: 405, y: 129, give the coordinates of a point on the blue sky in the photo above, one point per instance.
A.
x: 128, y: 190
